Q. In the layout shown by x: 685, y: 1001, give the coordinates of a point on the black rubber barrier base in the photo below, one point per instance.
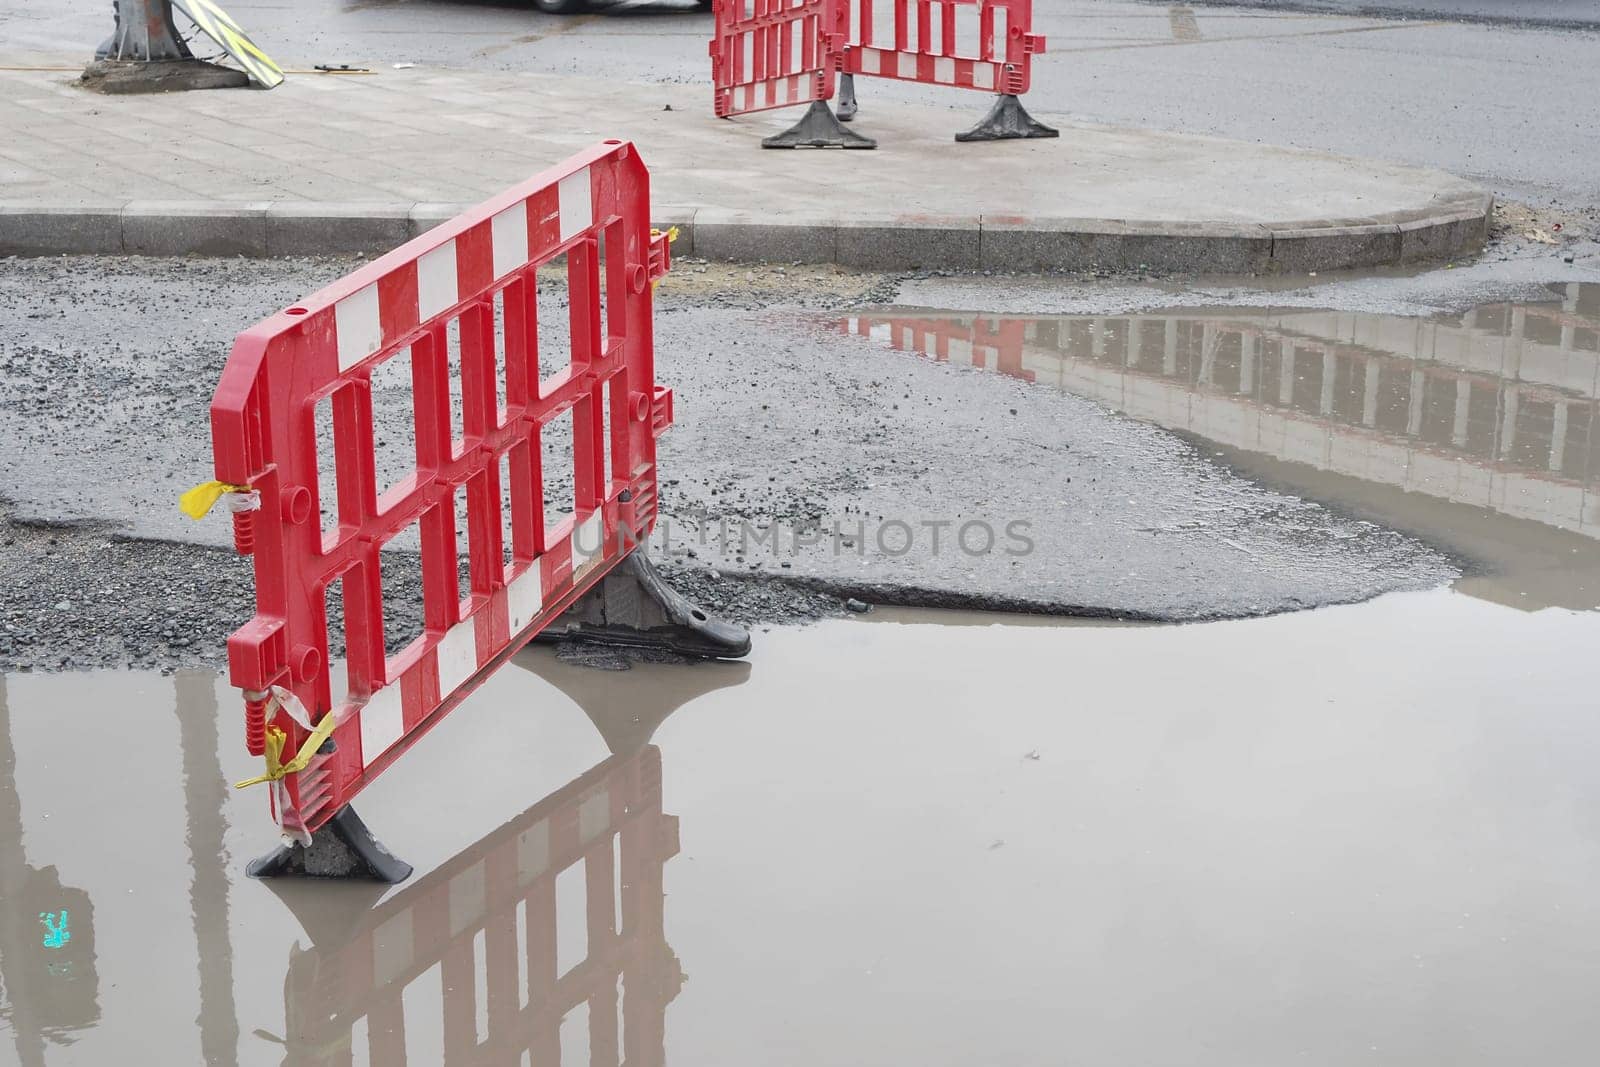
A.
x: 846, y: 106
x: 633, y: 607
x: 342, y: 848
x: 818, y: 129
x: 1008, y: 120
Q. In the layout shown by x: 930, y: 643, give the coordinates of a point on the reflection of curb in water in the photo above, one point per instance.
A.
x: 1494, y: 409
x: 47, y: 961
x: 487, y: 919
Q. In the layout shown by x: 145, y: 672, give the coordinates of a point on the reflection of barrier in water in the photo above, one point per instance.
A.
x: 988, y: 344
x: 487, y: 920
x: 47, y: 960
x: 1496, y: 409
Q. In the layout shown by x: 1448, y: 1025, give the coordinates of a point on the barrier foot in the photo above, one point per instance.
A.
x: 1008, y: 120
x: 342, y: 848
x: 634, y: 607
x: 846, y: 108
x: 818, y: 129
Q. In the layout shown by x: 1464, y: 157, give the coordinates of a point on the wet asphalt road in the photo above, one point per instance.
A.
x: 1573, y: 14
x: 1505, y: 101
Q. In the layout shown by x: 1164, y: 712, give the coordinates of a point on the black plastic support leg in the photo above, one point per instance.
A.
x: 342, y: 848
x: 1008, y: 120
x: 634, y: 607
x: 818, y: 129
x: 846, y: 108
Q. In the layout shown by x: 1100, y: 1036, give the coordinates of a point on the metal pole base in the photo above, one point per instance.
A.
x: 1008, y: 120
x: 633, y: 607
x: 818, y: 129
x: 115, y: 77
x: 342, y: 848
x: 143, y: 31
x: 846, y: 108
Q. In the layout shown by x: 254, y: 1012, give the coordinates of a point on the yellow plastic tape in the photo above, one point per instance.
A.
x: 276, y: 739
x: 198, y: 502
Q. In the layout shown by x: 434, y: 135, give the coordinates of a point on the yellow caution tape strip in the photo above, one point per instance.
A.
x: 277, y: 770
x: 218, y: 25
x: 198, y: 502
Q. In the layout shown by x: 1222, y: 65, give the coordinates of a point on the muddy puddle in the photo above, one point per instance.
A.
x: 1362, y: 834
x: 1475, y: 432
x: 1358, y: 834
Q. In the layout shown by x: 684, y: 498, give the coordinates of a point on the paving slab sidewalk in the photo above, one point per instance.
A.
x: 360, y: 164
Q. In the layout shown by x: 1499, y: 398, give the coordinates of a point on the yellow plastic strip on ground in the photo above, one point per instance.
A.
x: 218, y: 25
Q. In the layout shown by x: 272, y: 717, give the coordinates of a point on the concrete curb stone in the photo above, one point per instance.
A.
x: 684, y: 218
x: 310, y: 229
x: 1086, y: 244
x: 66, y: 229
x: 739, y: 237
x: 1452, y: 228
x: 1301, y: 251
x: 423, y: 217
x: 1443, y: 237
x: 910, y: 244
x: 177, y: 228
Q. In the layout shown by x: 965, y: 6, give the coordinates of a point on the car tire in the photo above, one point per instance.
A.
x: 560, y: 7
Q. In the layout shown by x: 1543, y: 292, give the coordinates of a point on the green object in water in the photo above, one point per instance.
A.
x: 56, y: 933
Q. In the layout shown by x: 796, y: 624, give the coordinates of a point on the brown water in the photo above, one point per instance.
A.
x: 1363, y: 834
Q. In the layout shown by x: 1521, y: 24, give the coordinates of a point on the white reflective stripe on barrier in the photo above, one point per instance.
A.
x: 456, y: 658
x: 360, y: 331
x: 438, y: 288
x: 374, y: 317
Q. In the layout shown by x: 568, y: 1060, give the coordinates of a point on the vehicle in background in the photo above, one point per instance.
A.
x: 572, y: 7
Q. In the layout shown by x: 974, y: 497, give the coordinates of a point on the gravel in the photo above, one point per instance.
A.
x: 789, y: 430
x: 80, y: 596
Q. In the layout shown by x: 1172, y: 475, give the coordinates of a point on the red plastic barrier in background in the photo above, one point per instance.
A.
x: 991, y: 48
x: 472, y: 278
x: 776, y: 53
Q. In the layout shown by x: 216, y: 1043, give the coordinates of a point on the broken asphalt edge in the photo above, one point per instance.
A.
x: 1451, y: 227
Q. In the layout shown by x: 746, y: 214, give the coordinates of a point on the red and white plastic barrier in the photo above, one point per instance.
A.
x: 776, y: 53
x: 987, y: 45
x: 595, y: 211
